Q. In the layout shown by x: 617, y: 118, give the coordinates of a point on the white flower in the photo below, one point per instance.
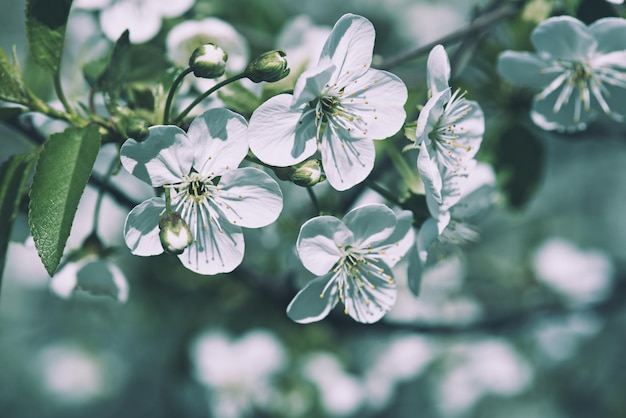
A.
x: 578, y: 70
x: 237, y: 372
x: 340, y: 105
x: 449, y: 128
x: 141, y: 17
x: 303, y: 41
x: 353, y: 258
x: 213, y: 196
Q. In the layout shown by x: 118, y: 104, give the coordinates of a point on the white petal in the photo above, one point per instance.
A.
x: 307, y: 306
x: 279, y: 135
x: 371, y: 224
x: 438, y: 70
x: 219, y: 140
x: 218, y: 245
x: 430, y: 174
x: 525, y: 69
x: 402, y: 239
x: 161, y: 158
x: 378, y: 98
x: 543, y: 114
x: 169, y: 8
x: 249, y: 197
x: 346, y: 161
x: 563, y: 37
x: 141, y: 230
x: 103, y: 278
x: 610, y: 33
x: 141, y: 20
x: 429, y: 115
x: 368, y: 304
x: 310, y: 84
x: 350, y: 47
x: 318, y: 241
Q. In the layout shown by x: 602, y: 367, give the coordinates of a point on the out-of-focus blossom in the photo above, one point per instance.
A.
x: 141, y: 17
x: 75, y: 376
x: 341, y: 393
x: 237, y: 373
x: 340, y: 105
x: 302, y: 41
x: 580, y: 276
x: 199, y: 169
x: 559, y: 339
x: 579, y: 70
x: 477, y: 369
x: 353, y: 258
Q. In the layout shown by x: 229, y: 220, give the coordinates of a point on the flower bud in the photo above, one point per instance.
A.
x: 137, y: 128
x: 270, y: 66
x: 208, y: 61
x: 174, y: 234
x: 308, y: 174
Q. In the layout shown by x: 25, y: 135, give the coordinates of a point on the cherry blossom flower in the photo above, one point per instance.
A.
x: 578, y: 70
x: 339, y: 106
x: 353, y: 258
x: 449, y: 128
x: 214, y: 197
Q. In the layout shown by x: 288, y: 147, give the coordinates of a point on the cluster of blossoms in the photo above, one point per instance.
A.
x: 449, y: 133
x: 578, y: 70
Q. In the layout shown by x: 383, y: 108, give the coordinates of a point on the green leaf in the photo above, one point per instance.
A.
x: 409, y: 130
x: 13, y: 175
x: 45, y: 29
x: 11, y: 83
x: 61, y: 174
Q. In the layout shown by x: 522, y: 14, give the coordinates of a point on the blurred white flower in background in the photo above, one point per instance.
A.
x: 237, y: 372
x: 74, y: 375
x: 302, y: 40
x: 480, y: 368
x: 404, y: 358
x: 579, y: 276
x: 341, y: 393
x: 559, y: 339
x: 141, y: 17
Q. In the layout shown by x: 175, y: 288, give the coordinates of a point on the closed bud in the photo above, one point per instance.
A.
x: 208, y: 61
x: 174, y: 234
x: 137, y: 128
x: 270, y: 66
x: 308, y: 174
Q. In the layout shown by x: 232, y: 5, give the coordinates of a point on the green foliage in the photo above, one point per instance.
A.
x: 110, y: 74
x: 238, y: 98
x: 61, y: 174
x: 7, y: 113
x: 13, y: 175
x: 11, y: 83
x: 45, y: 27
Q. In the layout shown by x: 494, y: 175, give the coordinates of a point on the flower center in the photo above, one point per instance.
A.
x: 196, y: 187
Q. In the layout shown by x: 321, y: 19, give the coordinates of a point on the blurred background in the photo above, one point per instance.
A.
x: 528, y: 322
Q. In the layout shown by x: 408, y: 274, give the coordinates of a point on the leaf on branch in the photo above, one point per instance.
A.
x: 110, y: 74
x: 45, y: 28
x: 61, y: 174
x: 11, y: 83
x: 13, y: 175
x: 238, y: 98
